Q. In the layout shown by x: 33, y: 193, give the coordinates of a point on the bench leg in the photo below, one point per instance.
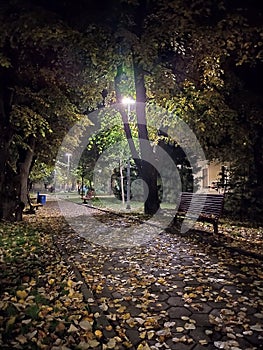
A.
x: 30, y: 211
x: 215, y: 224
x: 175, y: 220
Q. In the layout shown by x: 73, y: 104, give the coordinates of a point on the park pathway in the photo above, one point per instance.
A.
x: 169, y: 292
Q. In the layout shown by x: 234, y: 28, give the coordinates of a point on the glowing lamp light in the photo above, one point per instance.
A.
x: 127, y: 101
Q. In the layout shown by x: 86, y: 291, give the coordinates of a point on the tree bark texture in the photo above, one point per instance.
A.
x: 148, y: 169
x: 15, y: 164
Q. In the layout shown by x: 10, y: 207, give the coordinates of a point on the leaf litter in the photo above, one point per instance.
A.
x: 153, y: 297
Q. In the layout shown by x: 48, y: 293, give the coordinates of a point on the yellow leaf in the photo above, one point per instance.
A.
x: 143, y: 347
x: 98, y: 333
x: 161, y: 280
x: 99, y: 288
x: 126, y: 316
x: 22, y: 294
x: 192, y: 295
x: 150, y: 334
x: 121, y: 309
x: 71, y: 293
x: 70, y: 283
x: 11, y: 321
x: 127, y: 344
x: 143, y: 335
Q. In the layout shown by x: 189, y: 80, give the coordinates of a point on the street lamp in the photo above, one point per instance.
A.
x: 128, y: 101
x: 68, y: 155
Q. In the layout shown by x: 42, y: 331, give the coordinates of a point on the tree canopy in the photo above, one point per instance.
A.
x: 41, y: 69
x: 196, y: 59
x: 60, y: 59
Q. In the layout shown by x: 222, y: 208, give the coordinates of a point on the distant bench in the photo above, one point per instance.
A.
x: 205, y: 207
x: 91, y: 194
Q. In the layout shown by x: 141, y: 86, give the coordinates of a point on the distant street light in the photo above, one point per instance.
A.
x: 68, y: 155
x: 128, y: 101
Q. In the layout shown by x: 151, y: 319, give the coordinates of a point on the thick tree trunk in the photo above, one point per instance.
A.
x: 13, y: 174
x: 13, y: 190
x: 148, y: 169
x: 9, y: 199
x: 258, y: 156
x: 258, y: 167
x: 145, y: 162
x: 24, y: 169
x: 10, y: 189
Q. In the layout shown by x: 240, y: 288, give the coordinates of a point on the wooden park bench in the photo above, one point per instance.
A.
x: 32, y: 206
x: 91, y: 194
x: 205, y: 207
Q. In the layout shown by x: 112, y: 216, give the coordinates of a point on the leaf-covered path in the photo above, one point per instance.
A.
x: 172, y: 292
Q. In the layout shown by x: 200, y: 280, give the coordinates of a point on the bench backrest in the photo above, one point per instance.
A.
x: 202, y: 203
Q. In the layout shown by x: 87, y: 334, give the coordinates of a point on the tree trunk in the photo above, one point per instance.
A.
x: 148, y: 168
x: 126, y: 124
x: 13, y: 190
x: 9, y: 199
x: 258, y: 168
x: 24, y: 169
x: 258, y: 158
x: 13, y: 175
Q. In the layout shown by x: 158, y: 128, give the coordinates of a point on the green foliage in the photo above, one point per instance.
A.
x: 46, y: 68
x: 193, y: 56
x: 41, y: 172
x: 43, y: 63
x: 189, y: 51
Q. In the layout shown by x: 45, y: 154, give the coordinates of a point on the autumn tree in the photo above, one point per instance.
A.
x: 191, y: 57
x: 43, y: 87
x: 196, y: 59
x: 217, y: 65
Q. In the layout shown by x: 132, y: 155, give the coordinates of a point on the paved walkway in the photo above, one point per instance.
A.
x: 170, y: 292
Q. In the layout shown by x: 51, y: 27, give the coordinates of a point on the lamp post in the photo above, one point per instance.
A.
x: 68, y: 155
x: 128, y: 205
x: 82, y: 183
x: 55, y: 179
x: 122, y: 186
x: 128, y: 101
